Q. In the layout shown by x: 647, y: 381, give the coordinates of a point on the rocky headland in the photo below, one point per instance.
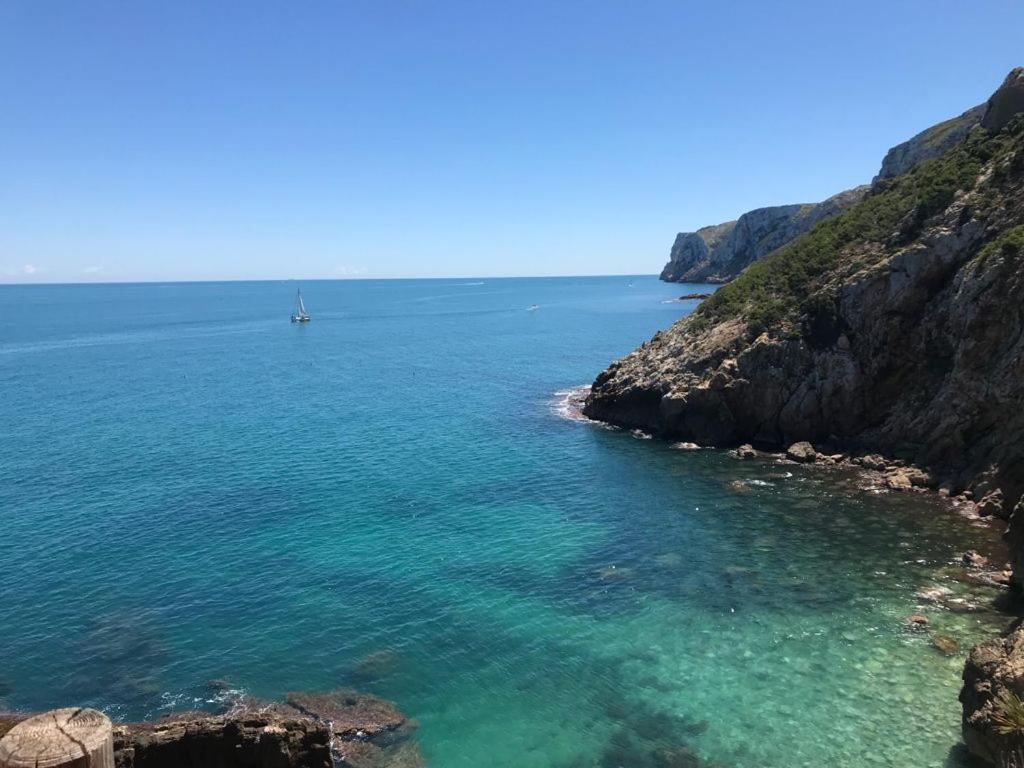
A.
x: 718, y: 253
x: 892, y: 333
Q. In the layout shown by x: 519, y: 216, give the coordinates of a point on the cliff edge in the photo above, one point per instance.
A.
x: 896, y: 326
x: 719, y: 253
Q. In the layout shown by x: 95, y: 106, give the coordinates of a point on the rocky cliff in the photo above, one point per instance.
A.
x: 718, y: 253
x: 896, y: 327
x: 929, y: 143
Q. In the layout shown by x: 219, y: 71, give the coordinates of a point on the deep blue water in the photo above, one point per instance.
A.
x: 194, y: 488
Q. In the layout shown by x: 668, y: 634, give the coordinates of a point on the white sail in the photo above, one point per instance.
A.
x: 302, y: 307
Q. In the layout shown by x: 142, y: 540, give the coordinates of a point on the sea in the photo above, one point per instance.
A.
x: 399, y: 497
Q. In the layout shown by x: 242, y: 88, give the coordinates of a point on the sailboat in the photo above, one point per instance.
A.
x: 300, y: 315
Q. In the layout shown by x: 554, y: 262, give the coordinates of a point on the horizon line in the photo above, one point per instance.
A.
x: 314, y: 279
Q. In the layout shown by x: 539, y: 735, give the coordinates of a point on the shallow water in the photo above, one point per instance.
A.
x: 194, y: 488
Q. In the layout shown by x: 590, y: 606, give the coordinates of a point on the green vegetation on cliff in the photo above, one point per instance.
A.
x: 787, y: 284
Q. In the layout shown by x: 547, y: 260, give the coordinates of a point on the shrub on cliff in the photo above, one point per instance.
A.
x: 780, y: 287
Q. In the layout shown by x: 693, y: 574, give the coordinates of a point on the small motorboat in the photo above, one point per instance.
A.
x: 300, y: 315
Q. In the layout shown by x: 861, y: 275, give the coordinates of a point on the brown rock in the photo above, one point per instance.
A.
x: 253, y: 741
x: 917, y: 622
x: 746, y: 451
x: 872, y: 461
x: 898, y: 481
x: 973, y: 559
x: 991, y: 505
x: 1006, y: 103
x: 350, y: 713
x: 802, y: 452
x: 945, y: 644
x: 994, y: 670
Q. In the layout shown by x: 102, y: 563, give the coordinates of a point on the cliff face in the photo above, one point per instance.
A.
x: 718, y: 253
x: 896, y: 327
x: 929, y: 143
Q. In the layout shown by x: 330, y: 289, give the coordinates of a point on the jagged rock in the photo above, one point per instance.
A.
x: 932, y: 369
x: 746, y: 451
x: 898, y: 481
x: 255, y: 740
x: 872, y: 461
x: 718, y: 253
x: 929, y: 143
x: 686, y: 446
x: 352, y: 715
x: 919, y: 478
x: 994, y: 671
x: 973, y: 559
x: 803, y: 452
x: 991, y: 504
x: 1006, y: 103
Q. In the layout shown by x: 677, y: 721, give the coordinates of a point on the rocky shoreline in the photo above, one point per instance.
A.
x: 888, y: 337
x: 339, y: 729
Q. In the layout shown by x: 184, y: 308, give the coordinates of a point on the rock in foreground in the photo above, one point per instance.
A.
x: 341, y: 729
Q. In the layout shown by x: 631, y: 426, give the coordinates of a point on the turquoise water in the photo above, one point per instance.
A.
x: 389, y: 498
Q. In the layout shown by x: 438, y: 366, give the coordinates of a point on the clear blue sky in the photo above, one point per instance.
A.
x: 148, y: 140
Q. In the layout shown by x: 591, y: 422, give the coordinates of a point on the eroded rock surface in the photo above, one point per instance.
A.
x: 906, y: 341
x: 718, y: 253
x: 993, y: 677
x: 243, y: 740
x: 340, y: 729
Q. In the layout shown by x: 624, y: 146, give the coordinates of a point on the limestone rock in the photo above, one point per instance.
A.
x: 746, y: 451
x: 918, y: 622
x: 931, y: 372
x: 803, y: 452
x: 252, y: 740
x: 973, y: 559
x: 994, y: 671
x: 1006, y: 103
x: 898, y: 481
x: 873, y: 461
x: 929, y: 143
x: 718, y: 253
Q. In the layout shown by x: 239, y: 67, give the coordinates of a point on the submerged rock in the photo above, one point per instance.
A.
x: 973, y: 559
x: 945, y: 644
x: 918, y: 622
x: 352, y: 715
